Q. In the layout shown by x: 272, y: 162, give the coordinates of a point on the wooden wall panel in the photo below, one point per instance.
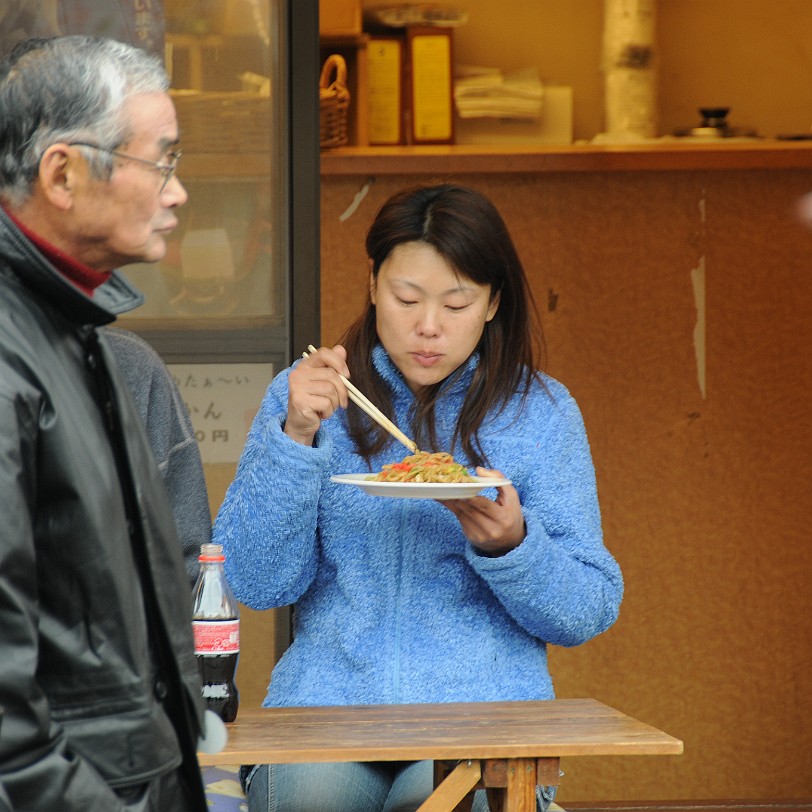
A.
x: 705, y: 495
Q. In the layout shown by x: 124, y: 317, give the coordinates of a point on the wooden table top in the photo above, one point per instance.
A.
x: 470, y: 730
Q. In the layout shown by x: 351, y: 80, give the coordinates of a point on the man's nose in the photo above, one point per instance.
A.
x: 176, y: 190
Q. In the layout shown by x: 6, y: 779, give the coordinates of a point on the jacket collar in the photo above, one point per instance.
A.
x: 117, y: 295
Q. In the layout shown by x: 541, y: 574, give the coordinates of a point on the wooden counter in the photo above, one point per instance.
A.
x: 478, y: 159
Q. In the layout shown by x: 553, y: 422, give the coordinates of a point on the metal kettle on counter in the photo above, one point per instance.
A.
x: 714, y: 125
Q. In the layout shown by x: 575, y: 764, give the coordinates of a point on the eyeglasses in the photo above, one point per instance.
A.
x: 167, y: 169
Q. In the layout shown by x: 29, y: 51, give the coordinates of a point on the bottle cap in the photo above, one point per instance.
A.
x: 211, y: 552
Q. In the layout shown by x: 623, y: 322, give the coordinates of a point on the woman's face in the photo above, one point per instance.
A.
x: 428, y: 318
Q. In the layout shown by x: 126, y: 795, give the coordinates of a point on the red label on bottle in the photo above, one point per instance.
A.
x: 216, y: 636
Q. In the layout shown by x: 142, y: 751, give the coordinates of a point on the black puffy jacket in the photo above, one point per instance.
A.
x: 98, y: 680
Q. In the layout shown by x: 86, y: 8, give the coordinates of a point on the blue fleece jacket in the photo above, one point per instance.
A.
x: 392, y: 603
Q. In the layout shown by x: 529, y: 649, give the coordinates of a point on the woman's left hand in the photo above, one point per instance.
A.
x: 494, y: 526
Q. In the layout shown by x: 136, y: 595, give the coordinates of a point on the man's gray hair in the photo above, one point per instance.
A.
x: 65, y: 89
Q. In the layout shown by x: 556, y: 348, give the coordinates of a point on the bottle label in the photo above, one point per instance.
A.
x: 216, y: 636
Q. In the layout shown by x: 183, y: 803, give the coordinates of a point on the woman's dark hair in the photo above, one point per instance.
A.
x: 465, y: 228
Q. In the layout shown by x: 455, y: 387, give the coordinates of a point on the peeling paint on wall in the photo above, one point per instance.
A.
x: 698, y: 285
x: 356, y: 201
x: 552, y: 300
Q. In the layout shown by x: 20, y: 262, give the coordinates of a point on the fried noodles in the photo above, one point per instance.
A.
x: 424, y: 467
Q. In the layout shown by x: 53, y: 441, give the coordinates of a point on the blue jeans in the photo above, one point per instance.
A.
x: 380, y: 786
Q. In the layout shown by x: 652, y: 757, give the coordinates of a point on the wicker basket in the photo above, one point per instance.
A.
x: 334, y: 102
x: 223, y: 122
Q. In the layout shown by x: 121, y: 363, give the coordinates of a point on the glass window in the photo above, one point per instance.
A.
x: 223, y: 292
x: 224, y: 272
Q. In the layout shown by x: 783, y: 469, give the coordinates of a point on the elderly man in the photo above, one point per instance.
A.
x: 98, y: 680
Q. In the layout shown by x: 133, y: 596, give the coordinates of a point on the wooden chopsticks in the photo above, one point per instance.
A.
x: 371, y: 409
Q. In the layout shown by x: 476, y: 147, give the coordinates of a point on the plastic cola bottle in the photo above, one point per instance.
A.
x: 216, y: 625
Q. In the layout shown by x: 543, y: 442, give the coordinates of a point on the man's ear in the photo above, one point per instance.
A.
x: 59, y: 169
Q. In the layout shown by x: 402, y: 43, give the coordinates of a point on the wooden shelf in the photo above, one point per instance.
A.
x: 194, y: 323
x: 225, y: 165
x: 478, y: 159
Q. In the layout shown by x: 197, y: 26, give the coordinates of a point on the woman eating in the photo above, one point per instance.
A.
x: 412, y: 600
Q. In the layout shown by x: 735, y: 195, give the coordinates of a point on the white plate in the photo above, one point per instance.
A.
x: 420, y: 490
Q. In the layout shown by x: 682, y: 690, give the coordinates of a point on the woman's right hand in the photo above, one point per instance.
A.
x: 315, y: 391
